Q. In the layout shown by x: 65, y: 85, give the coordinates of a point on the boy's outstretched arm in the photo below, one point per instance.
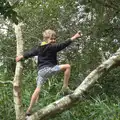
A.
x: 66, y: 43
x: 26, y: 55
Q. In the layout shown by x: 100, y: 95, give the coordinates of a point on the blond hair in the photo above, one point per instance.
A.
x: 48, y: 34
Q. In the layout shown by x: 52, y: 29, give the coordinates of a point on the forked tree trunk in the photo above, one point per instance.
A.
x: 18, y: 75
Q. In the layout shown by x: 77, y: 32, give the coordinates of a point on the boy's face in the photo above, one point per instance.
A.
x: 51, y: 40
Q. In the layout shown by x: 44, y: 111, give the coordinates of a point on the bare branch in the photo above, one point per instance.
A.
x: 6, y: 82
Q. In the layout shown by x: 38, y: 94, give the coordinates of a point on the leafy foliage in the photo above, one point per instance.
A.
x: 8, y: 11
x: 6, y: 101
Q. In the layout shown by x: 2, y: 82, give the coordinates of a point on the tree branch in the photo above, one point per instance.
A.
x: 6, y: 82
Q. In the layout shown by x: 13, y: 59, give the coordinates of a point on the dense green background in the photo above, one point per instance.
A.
x: 99, y: 21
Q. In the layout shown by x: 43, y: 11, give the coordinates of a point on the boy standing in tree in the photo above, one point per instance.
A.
x: 47, y: 62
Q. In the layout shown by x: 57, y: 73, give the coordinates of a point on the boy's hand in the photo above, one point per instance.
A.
x: 77, y: 35
x: 18, y: 58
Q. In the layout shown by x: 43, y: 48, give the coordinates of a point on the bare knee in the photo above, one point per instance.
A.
x: 68, y: 66
x: 65, y: 67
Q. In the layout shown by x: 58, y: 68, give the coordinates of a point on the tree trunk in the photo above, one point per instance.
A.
x: 18, y: 75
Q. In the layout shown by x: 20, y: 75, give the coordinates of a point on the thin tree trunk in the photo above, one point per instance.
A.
x: 18, y: 75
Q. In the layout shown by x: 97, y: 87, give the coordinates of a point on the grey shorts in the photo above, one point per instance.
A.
x: 46, y: 72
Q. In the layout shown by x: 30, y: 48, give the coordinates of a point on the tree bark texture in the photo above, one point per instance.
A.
x: 18, y: 75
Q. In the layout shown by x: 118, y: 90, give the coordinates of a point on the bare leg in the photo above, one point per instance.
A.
x: 33, y: 99
x: 37, y: 99
x: 67, y: 70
